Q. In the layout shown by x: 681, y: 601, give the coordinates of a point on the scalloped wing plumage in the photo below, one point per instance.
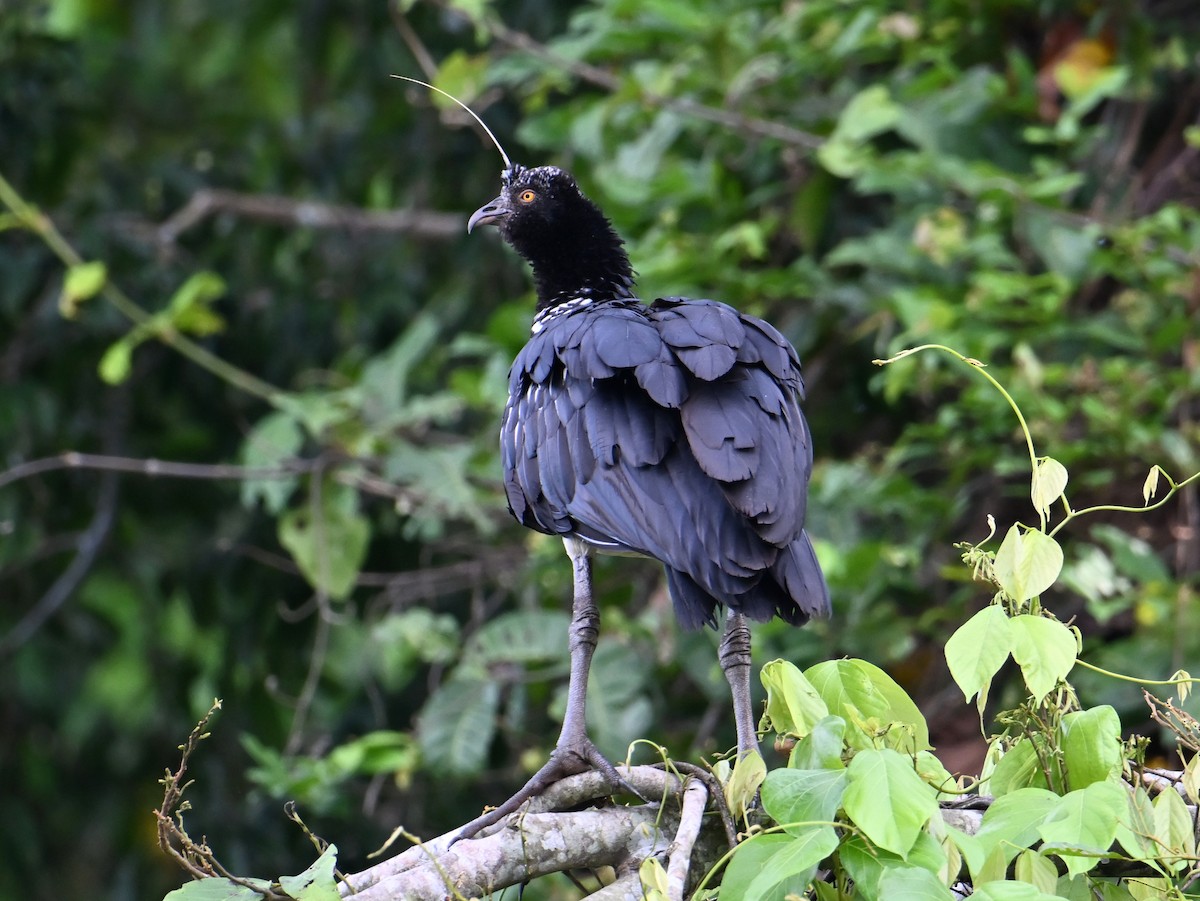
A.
x: 672, y: 431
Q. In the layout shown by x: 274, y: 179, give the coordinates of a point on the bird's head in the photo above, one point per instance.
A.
x: 533, y: 204
x: 571, y: 246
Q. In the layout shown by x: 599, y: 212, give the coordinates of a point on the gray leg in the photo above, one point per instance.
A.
x: 582, y: 636
x: 574, y: 751
x: 734, y: 654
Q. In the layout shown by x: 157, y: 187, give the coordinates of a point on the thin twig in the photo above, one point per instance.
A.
x: 413, y: 41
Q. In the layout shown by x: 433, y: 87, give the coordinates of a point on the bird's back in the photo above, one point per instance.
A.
x: 674, y: 431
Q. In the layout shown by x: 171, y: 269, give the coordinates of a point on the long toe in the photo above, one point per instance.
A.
x: 567, y: 759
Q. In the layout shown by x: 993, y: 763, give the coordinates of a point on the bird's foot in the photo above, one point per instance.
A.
x: 568, y: 758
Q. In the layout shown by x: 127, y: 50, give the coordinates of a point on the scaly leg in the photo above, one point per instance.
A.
x: 734, y: 654
x: 574, y: 752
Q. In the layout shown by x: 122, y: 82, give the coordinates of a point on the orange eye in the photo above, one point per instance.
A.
x: 528, y: 197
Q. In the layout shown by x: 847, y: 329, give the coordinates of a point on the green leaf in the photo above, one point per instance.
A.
x: 382, y: 751
x: 115, y: 365
x: 795, y: 861
x: 316, y: 883
x: 461, y: 75
x: 821, y: 749
x: 866, y: 864
x: 1049, y: 483
x: 912, y: 884
x: 870, y: 112
x: 773, y: 866
x: 1007, y: 890
x: 1027, y: 563
x: 1091, y: 744
x: 327, y: 537
x: 526, y: 638
x: 935, y: 774
x: 1191, y: 779
x: 200, y: 288
x: 1011, y: 824
x: 742, y: 788
x: 82, y: 282
x: 654, y: 880
x: 887, y: 799
x: 1039, y: 872
x: 1018, y: 769
x: 456, y: 725
x: 802, y: 796
x: 220, y: 889
x: 1045, y: 650
x: 1136, y: 831
x: 1082, y: 827
x: 385, y: 377
x: 875, y: 708
x: 1173, y: 827
x: 275, y: 438
x: 977, y: 650
x: 189, y: 307
x: 793, y: 704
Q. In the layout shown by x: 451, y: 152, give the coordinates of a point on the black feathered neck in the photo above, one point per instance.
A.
x: 572, y: 248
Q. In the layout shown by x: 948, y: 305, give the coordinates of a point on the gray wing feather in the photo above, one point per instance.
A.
x: 673, y: 431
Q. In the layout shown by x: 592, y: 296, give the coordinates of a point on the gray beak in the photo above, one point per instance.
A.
x: 488, y: 213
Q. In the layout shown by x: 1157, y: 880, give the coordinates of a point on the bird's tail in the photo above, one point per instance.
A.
x: 798, y: 573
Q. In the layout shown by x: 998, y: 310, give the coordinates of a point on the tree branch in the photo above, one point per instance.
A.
x: 306, y: 214
x: 549, y: 835
x: 695, y: 799
x: 152, y: 467
x: 538, y: 840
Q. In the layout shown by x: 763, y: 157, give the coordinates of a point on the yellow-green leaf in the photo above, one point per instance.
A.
x: 977, y: 650
x: 327, y: 537
x: 748, y: 775
x: 1049, y: 483
x: 117, y: 361
x: 1039, y: 872
x: 654, y: 880
x: 1173, y: 828
x: 82, y: 282
x: 1045, y: 650
x: 1150, y: 486
x: 1027, y: 563
x: 793, y: 704
x: 887, y: 799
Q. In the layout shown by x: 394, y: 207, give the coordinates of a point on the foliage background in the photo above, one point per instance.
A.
x: 1017, y: 180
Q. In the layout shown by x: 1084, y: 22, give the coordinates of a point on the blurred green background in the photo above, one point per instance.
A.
x: 1018, y: 180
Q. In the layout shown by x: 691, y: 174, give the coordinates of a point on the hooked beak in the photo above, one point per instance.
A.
x: 490, y: 212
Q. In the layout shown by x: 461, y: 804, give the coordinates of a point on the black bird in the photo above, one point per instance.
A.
x: 671, y: 431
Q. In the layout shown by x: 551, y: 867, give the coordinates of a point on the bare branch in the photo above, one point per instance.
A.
x: 306, y: 214
x: 152, y: 467
x: 543, y: 839
x: 695, y: 799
